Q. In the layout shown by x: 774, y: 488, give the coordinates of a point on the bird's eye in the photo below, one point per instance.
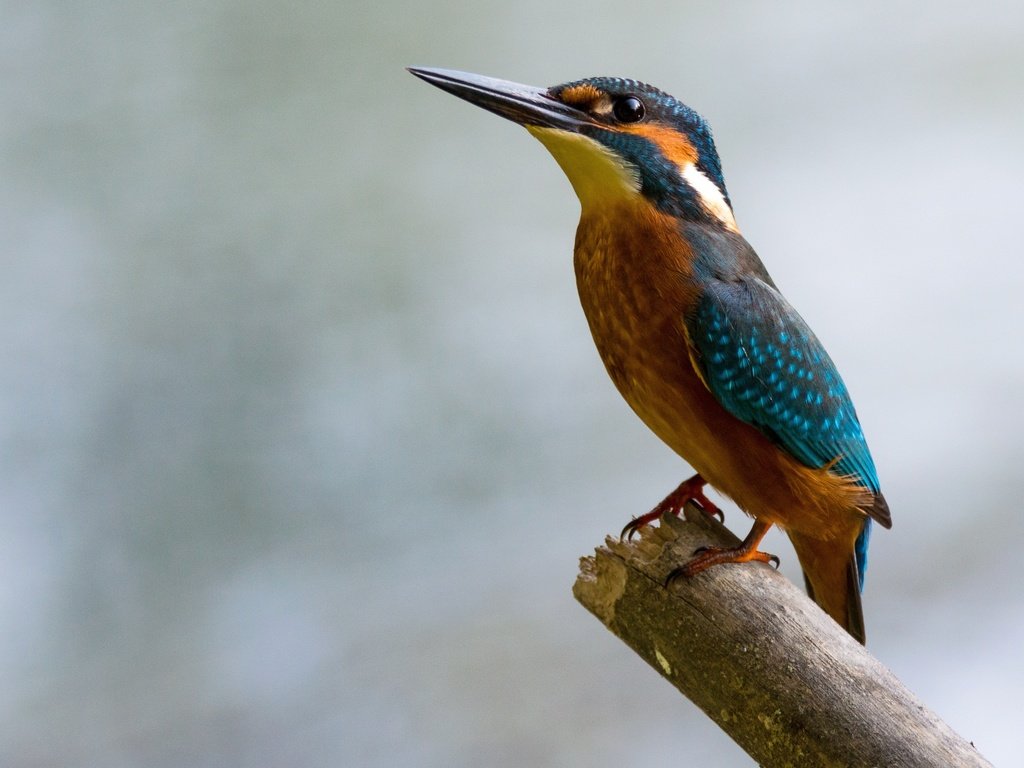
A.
x: 628, y: 110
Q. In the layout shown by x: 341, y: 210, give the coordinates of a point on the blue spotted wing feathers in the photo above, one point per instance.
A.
x: 766, y: 367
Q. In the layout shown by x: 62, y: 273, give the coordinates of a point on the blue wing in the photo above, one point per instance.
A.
x: 766, y: 367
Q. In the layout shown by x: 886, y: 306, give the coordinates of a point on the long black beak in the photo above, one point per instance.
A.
x: 519, y: 103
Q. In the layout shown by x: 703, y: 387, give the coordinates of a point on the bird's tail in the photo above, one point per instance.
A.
x: 832, y: 579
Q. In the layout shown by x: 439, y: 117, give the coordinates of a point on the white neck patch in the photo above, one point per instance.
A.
x: 600, y: 176
x: 710, y: 195
x: 596, y: 173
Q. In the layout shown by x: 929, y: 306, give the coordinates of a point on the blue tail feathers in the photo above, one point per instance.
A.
x: 860, y: 550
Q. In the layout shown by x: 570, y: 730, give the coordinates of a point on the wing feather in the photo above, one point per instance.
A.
x: 763, y: 363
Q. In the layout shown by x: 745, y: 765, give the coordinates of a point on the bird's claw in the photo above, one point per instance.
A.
x: 629, y: 529
x: 707, y: 556
x: 713, y: 510
x: 691, y: 490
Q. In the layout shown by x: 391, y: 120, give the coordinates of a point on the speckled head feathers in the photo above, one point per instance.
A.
x: 667, y: 137
x: 660, y: 107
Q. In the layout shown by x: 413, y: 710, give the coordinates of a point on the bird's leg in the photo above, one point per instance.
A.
x: 688, y: 490
x: 709, y: 556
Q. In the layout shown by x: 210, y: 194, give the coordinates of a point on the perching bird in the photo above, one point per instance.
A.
x: 694, y: 332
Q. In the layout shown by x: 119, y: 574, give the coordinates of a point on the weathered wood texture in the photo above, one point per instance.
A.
x: 759, y: 658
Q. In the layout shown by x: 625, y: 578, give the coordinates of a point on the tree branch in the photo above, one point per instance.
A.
x: 744, y: 644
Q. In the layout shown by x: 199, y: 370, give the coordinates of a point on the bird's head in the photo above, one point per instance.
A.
x: 617, y: 140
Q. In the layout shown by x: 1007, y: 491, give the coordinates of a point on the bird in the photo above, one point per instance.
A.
x: 694, y: 333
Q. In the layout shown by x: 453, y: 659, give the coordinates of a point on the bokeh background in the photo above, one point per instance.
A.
x: 301, y: 428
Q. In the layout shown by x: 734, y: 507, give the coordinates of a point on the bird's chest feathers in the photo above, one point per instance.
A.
x: 635, y: 282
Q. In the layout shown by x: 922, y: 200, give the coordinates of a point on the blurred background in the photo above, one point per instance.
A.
x: 301, y: 428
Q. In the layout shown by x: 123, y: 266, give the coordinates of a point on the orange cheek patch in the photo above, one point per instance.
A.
x: 580, y: 95
x: 673, y: 145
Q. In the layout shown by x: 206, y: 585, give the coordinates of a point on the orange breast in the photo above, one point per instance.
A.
x: 636, y: 285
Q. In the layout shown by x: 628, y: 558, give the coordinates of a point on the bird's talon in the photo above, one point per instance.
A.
x: 630, y: 529
x: 673, y: 504
x: 704, y: 505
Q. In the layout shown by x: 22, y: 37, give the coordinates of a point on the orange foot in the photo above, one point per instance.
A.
x: 688, y: 490
x: 745, y: 552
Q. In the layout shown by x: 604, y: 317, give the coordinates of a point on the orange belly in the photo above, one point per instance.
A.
x: 636, y: 286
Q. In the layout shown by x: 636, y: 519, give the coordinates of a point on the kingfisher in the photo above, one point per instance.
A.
x: 695, y: 334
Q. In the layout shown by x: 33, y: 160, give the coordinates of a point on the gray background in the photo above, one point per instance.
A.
x: 301, y: 428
